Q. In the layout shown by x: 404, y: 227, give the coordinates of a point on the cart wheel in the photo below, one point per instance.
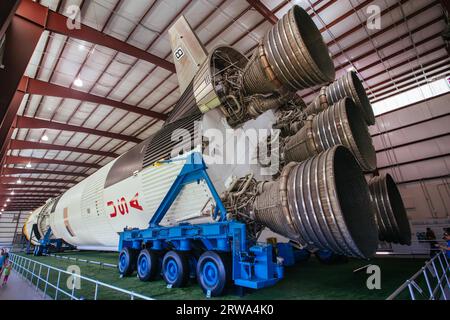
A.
x: 175, y: 269
x: 213, y: 273
x: 302, y: 255
x: 147, y: 265
x: 328, y: 257
x: 127, y: 261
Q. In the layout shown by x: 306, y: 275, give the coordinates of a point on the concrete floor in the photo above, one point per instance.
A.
x: 19, y: 289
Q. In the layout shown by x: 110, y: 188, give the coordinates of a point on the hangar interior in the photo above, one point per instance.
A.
x: 85, y: 81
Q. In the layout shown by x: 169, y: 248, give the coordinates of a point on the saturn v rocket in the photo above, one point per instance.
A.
x: 317, y: 196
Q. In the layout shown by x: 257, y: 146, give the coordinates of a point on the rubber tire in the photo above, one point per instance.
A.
x: 334, y: 259
x: 303, y: 257
x: 153, y: 262
x: 182, y: 264
x: 222, y: 265
x: 130, y: 256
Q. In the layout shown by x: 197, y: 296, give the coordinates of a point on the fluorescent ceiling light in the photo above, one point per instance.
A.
x: 78, y: 82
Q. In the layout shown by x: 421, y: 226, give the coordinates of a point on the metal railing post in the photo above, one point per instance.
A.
x: 438, y: 278
x: 19, y: 260
x: 57, y: 285
x: 39, y: 277
x: 443, y: 269
x: 411, y: 291
x: 32, y: 272
x: 96, y: 290
x: 29, y: 269
x: 22, y: 266
x: 73, y: 286
x: 26, y: 269
x: 46, y: 281
x: 425, y: 275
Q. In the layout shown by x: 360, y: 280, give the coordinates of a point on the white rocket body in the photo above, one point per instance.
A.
x: 89, y: 215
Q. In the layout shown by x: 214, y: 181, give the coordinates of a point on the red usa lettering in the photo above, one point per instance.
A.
x: 123, y: 206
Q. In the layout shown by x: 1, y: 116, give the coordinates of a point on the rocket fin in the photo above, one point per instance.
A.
x: 188, y: 52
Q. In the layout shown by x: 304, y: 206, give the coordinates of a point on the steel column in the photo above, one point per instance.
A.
x: 22, y: 37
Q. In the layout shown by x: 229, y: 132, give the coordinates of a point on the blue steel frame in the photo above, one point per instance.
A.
x: 45, y: 243
x: 253, y: 264
x: 193, y: 170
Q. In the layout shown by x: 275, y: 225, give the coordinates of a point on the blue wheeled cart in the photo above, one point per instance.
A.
x: 217, y: 253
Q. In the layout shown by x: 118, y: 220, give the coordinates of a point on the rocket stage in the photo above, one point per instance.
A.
x: 307, y: 280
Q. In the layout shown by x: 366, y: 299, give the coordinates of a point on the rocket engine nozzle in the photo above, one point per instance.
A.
x: 348, y: 85
x: 292, y: 55
x: 342, y: 123
x: 323, y: 202
x: 391, y: 218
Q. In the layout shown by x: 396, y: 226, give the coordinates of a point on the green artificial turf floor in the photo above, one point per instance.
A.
x: 306, y: 280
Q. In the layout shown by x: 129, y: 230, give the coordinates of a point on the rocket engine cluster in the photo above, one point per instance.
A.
x: 319, y: 198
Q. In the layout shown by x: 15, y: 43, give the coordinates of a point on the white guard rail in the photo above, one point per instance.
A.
x: 31, y: 269
x: 435, y: 273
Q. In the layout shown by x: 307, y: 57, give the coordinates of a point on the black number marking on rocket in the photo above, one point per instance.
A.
x: 207, y: 79
x: 179, y: 53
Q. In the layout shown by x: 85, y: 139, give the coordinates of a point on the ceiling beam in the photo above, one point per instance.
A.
x: 29, y: 186
x: 21, y: 145
x: 32, y: 160
x: 21, y: 202
x: 391, y: 42
x: 386, y: 29
x: 312, y: 93
x: 34, y: 192
x: 23, y: 122
x: 21, y: 208
x: 38, y: 87
x: 15, y: 203
x: 346, y: 15
x: 362, y: 25
x: 48, y: 196
x: 263, y: 10
x: 36, y: 171
x: 25, y: 197
x: 55, y: 22
x: 5, y: 179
